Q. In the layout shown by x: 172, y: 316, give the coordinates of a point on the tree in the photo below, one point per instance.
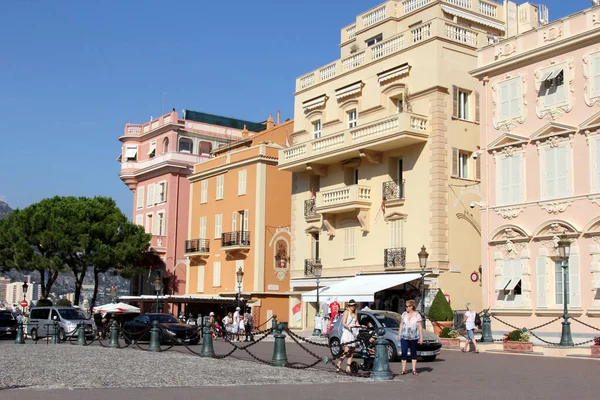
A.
x: 64, y: 302
x: 440, y: 309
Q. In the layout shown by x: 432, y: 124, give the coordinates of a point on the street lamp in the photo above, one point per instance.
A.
x: 423, y: 255
x: 317, y: 269
x: 157, y: 287
x: 564, y: 250
x: 25, y: 286
x: 240, y: 277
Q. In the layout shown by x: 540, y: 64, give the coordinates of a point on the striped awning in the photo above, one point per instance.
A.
x: 314, y: 103
x: 474, y: 18
x: 349, y: 90
x: 393, y: 73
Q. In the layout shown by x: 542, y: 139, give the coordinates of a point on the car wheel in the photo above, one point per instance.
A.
x: 429, y: 358
x: 335, y: 348
x: 61, y: 335
x: 354, y: 367
x: 391, y: 351
x: 34, y: 335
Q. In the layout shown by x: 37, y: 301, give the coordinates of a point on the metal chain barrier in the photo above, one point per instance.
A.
x: 584, y: 324
x: 543, y: 325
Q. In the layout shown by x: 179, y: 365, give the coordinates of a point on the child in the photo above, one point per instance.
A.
x: 242, y: 327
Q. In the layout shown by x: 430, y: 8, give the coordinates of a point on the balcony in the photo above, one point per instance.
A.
x: 309, y: 266
x: 159, y: 243
x: 349, y: 198
x: 235, y: 241
x: 393, y: 193
x: 310, y: 212
x: 392, y: 132
x: 394, y: 258
x: 172, y: 159
x: 197, y: 248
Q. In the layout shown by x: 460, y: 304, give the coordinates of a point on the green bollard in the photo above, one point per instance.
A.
x: 154, y: 337
x: 19, y: 339
x: 114, y: 336
x: 279, y: 354
x: 207, y: 342
x: 55, y: 333
x: 381, y: 366
x: 81, y: 334
x: 486, y: 328
x: 274, y: 322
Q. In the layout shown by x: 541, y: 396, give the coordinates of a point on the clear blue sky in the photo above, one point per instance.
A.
x: 73, y: 72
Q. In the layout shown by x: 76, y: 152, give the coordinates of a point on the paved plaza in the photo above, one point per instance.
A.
x: 94, y: 372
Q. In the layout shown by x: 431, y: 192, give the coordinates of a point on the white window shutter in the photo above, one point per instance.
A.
x: 517, y: 269
x: 162, y: 221
x: 150, y: 196
x: 218, y: 226
x: 549, y: 173
x: 504, y: 108
x: 562, y: 171
x: 139, y: 219
x: 234, y: 221
x: 204, y: 191
x: 541, y: 279
x: 596, y: 74
x: 164, y: 191
x: 596, y: 163
x: 242, y: 182
x: 516, y: 178
x: 454, y: 161
x: 245, y: 220
x: 515, y: 101
x: 508, y: 270
x: 202, y: 227
x: 140, y: 197
x: 504, y: 180
x: 155, y: 224
x: 200, y: 288
x: 217, y: 273
x: 157, y: 193
x: 574, y: 279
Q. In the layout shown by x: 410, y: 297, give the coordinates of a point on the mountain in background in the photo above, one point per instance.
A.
x: 4, y: 209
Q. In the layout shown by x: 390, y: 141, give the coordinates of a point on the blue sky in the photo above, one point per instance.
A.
x: 73, y: 72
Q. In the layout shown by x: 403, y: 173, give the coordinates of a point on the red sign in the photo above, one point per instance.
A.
x: 24, y: 303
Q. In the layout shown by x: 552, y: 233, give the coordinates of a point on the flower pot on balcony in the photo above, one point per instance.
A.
x: 519, y: 347
x: 595, y: 350
x: 439, y: 325
x: 450, y: 342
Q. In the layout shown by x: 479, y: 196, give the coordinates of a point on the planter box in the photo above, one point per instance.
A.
x: 438, y: 326
x: 520, y: 347
x: 450, y: 342
x: 595, y: 350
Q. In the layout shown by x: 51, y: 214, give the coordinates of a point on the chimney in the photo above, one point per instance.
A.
x: 278, y: 117
x: 245, y: 133
x: 270, y: 122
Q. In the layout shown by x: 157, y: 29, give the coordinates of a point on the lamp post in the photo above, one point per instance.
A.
x: 564, y: 250
x: 25, y: 286
x: 157, y: 287
x: 423, y: 255
x: 317, y: 268
x: 240, y: 278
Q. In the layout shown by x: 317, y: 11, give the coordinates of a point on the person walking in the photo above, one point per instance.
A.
x: 409, y: 334
x: 349, y: 332
x: 469, y: 321
x: 236, y: 324
x: 249, y: 325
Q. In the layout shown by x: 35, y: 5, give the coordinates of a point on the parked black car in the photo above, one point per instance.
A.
x: 8, y: 325
x: 170, y: 329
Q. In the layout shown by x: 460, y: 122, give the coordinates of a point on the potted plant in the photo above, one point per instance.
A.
x: 517, y: 341
x: 440, y: 313
x: 449, y: 337
x: 596, y: 346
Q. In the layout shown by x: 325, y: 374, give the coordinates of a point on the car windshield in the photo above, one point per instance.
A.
x: 388, y: 320
x: 163, y: 318
x: 70, y: 314
x: 6, y: 317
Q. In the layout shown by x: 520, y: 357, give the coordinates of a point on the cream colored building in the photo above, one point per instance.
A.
x: 384, y: 139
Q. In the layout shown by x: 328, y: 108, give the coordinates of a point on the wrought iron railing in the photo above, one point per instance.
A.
x: 309, y: 266
x: 393, y: 190
x: 394, y: 258
x: 309, y: 208
x: 197, y: 246
x: 239, y: 238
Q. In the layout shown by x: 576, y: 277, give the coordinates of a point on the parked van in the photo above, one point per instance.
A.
x: 41, y: 322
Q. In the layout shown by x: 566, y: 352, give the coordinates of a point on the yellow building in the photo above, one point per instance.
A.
x: 384, y: 153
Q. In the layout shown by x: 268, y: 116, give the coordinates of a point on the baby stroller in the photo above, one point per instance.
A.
x: 367, y: 351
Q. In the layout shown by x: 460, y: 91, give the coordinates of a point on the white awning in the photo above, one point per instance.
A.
x: 361, y: 288
x: 312, y: 282
x: 349, y: 90
x: 551, y: 74
x: 152, y: 148
x: 474, y: 18
x: 131, y: 152
x: 595, y: 285
x: 314, y: 103
x: 393, y: 73
x: 512, y: 284
x: 503, y: 284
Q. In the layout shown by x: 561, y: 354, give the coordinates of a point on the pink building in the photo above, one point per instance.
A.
x: 156, y: 159
x: 540, y: 158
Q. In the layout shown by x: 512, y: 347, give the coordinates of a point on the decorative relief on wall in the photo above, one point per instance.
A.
x: 595, y: 199
x: 555, y: 207
x: 511, y: 249
x: 555, y: 111
x: 553, y: 33
x: 554, y: 141
x: 595, y: 18
x: 509, y: 212
x: 281, y: 266
x: 510, y: 123
x: 588, y: 133
x: 551, y: 245
x: 505, y: 49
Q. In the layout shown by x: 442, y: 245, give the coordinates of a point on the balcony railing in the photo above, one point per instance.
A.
x: 309, y: 266
x: 235, y: 239
x: 197, y: 246
x: 173, y: 157
x: 309, y: 208
x: 393, y: 190
x: 394, y: 258
x: 343, y: 199
x: 158, y: 241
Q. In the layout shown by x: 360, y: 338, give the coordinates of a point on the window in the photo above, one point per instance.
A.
x: 399, y: 105
x: 317, y: 129
x: 152, y: 150
x: 595, y: 173
x: 161, y: 192
x: 149, y: 225
x: 186, y: 146
x: 218, y: 225
x: 200, y: 285
x: 509, y: 179
x: 349, y: 242
x: 558, y: 283
x: 202, y: 228
x: 462, y: 99
x: 352, y: 119
x: 220, y: 185
x: 150, y: 198
x: 131, y: 152
x: 395, y: 233
x: 351, y: 176
x: 595, y: 74
x: 205, y: 147
x: 217, y: 274
x: 165, y: 145
x: 552, y: 88
x: 160, y: 224
x: 556, y: 172
x: 204, y: 191
x: 242, y: 182
x: 573, y: 281
x: 244, y: 217
x: 510, y: 99
x: 463, y: 105
x: 234, y: 216
x: 463, y: 164
x: 374, y: 40
x: 509, y: 288
x: 139, y: 219
x: 140, y: 197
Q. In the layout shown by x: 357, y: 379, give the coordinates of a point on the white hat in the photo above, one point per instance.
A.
x: 212, y: 314
x: 237, y: 309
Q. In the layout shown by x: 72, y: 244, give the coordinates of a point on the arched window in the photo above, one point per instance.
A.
x: 205, y: 147
x: 165, y: 145
x: 281, y: 258
x: 186, y: 146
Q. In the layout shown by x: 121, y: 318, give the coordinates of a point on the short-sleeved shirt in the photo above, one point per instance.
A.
x: 470, y: 323
x: 410, y: 326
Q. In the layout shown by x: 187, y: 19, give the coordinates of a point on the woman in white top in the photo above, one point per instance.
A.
x: 349, y: 331
x: 410, y: 333
x: 469, y: 321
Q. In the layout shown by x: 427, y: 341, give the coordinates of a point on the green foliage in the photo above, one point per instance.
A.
x: 43, y: 303
x: 448, y: 332
x: 440, y: 310
x: 515, y: 336
x: 64, y: 303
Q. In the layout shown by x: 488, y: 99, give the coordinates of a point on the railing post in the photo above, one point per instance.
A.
x: 381, y: 365
x: 207, y: 342
x: 55, y: 332
x: 19, y: 339
x: 81, y: 334
x: 154, y: 337
x: 279, y: 353
x: 486, y: 329
x: 114, y: 336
